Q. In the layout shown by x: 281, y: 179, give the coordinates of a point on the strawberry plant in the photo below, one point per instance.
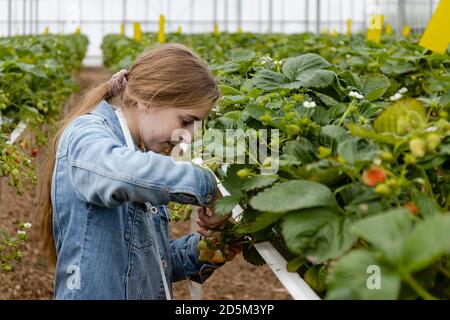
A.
x: 362, y: 157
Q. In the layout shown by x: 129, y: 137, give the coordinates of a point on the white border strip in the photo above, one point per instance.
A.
x: 294, y: 284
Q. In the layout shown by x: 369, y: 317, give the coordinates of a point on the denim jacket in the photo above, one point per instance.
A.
x: 110, y: 214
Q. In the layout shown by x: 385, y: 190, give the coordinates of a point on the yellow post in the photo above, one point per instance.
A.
x: 388, y: 29
x: 349, y: 27
x: 161, y: 32
x: 78, y: 30
x: 375, y: 28
x: 137, y: 35
x: 406, y: 31
x: 122, y: 29
x: 216, y: 29
x: 46, y: 30
x: 436, y: 36
x: 179, y: 30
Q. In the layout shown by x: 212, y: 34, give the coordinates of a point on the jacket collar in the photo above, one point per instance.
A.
x: 108, y: 113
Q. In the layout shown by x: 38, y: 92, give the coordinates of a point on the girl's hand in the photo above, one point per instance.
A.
x: 208, y: 220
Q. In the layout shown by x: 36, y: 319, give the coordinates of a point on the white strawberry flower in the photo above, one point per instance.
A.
x: 309, y: 104
x: 403, y: 90
x: 395, y: 97
x: 27, y: 225
x: 21, y: 232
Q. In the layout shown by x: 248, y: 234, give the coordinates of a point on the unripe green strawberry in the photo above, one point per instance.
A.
x: 383, y: 189
x: 293, y: 129
x: 202, y: 245
x: 418, y: 147
x: 243, y: 173
x: 410, y: 159
x: 265, y: 118
x: 314, y: 280
x: 443, y: 114
x: 433, y: 141
x: 387, y: 156
x: 324, y: 152
x: 267, y: 162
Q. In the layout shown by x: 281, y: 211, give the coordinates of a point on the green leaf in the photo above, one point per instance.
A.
x: 260, y: 222
x: 356, y: 150
x: 226, y: 204
x: 270, y: 80
x: 229, y: 91
x: 319, y: 234
x: 387, y: 232
x: 427, y: 206
x: 242, y: 55
x: 403, y: 116
x: 316, y: 78
x: 361, y: 132
x: 293, y: 195
x: 302, y: 150
x: 259, y: 181
x: 429, y: 240
x: 294, y: 67
x: 374, y: 86
x: 353, y: 274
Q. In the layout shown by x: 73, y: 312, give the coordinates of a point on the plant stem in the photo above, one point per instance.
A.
x: 444, y: 271
x: 418, y: 288
x: 427, y: 183
x: 349, y: 109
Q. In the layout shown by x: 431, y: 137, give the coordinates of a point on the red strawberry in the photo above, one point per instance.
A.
x: 411, y: 206
x: 373, y: 176
x: 34, y: 152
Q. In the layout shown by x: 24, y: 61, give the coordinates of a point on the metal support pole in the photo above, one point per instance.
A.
x: 191, y: 18
x: 80, y: 9
x: 24, y: 17
x: 36, y: 18
x: 226, y: 15
x: 124, y: 14
x: 30, y: 25
x: 260, y: 19
x: 169, y: 15
x: 215, y: 13
x: 270, y: 16
x: 430, y: 8
x: 239, y: 14
x: 9, y: 18
x: 306, y: 15
x: 318, y: 11
x: 401, y: 16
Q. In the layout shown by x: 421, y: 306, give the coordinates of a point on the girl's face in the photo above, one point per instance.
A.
x: 160, y: 129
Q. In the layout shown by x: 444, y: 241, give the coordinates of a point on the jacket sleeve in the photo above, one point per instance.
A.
x: 185, y: 263
x: 106, y: 173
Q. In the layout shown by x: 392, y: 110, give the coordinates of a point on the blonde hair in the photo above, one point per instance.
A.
x: 169, y: 75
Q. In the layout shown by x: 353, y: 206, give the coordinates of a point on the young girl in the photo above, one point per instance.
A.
x: 103, y: 211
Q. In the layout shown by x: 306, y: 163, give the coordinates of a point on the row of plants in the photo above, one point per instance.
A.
x: 36, y: 77
x: 359, y: 203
